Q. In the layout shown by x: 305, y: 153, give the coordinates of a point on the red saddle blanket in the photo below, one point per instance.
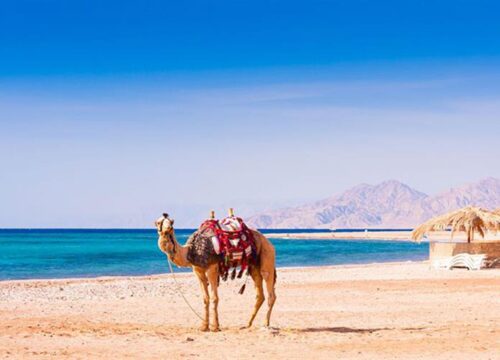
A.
x: 235, y: 244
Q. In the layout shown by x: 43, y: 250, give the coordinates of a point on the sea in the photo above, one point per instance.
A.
x: 70, y: 253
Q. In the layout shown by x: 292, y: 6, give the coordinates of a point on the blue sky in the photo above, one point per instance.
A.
x: 111, y: 113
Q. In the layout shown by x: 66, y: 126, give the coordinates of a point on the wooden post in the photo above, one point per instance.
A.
x: 212, y: 214
x: 231, y: 212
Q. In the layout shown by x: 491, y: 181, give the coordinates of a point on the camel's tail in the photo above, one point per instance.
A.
x: 242, y: 289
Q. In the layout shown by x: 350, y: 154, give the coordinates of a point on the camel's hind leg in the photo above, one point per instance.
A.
x: 270, y: 279
x: 259, y: 297
x: 268, y: 272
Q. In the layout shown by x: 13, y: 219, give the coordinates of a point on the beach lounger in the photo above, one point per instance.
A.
x: 471, y: 262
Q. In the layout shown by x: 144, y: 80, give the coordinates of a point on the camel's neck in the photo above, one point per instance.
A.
x: 179, y: 254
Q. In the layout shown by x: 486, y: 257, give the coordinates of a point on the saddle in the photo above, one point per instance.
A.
x: 233, y: 243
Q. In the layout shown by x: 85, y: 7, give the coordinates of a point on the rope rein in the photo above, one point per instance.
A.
x: 179, y: 289
x: 178, y: 285
x: 171, y: 239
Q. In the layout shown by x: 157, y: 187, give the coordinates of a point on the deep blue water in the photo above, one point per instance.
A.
x: 64, y: 253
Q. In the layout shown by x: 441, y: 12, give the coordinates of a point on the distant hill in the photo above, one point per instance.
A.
x: 390, y: 204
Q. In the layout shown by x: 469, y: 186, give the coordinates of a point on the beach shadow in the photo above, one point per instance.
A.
x: 343, y: 329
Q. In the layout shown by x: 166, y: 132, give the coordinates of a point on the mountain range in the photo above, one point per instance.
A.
x: 390, y: 204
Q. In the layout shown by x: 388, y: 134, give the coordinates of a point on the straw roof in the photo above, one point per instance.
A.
x: 469, y: 219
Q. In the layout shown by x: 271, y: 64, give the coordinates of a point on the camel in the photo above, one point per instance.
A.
x: 264, y: 271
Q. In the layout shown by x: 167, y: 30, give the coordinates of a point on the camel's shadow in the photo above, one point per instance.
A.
x: 343, y: 329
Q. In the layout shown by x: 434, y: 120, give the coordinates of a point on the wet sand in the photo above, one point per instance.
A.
x: 379, y: 311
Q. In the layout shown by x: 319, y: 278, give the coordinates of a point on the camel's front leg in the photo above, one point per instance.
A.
x: 213, y: 280
x: 200, y: 274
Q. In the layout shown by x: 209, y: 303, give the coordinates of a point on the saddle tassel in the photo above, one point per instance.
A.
x: 242, y: 290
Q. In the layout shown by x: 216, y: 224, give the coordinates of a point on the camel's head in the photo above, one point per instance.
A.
x: 165, y: 227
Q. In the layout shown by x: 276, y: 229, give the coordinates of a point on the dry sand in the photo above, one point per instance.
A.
x: 378, y: 311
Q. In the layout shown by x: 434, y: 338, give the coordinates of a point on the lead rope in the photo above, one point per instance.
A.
x: 180, y: 290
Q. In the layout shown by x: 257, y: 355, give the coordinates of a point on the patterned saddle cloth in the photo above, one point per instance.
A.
x: 231, y: 224
x: 228, y: 241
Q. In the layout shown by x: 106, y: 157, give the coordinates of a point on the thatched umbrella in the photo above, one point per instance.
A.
x: 469, y: 220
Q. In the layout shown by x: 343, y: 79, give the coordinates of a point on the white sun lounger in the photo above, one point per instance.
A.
x: 471, y: 262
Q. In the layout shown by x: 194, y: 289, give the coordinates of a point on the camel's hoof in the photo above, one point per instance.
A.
x: 204, y: 328
x: 215, y: 329
x: 270, y: 329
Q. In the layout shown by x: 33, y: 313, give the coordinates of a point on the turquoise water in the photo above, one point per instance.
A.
x: 41, y: 254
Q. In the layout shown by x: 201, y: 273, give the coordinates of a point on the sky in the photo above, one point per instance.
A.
x: 114, y: 112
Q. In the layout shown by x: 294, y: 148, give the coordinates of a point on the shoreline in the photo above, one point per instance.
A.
x: 189, y: 272
x: 404, y: 236
x: 347, y: 235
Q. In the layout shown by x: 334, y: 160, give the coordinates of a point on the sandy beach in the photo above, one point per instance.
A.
x: 397, y: 310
